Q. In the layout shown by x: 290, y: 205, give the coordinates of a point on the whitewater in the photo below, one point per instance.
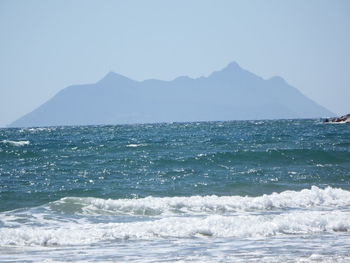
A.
x: 240, y: 191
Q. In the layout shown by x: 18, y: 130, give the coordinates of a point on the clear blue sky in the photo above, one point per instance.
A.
x: 48, y: 45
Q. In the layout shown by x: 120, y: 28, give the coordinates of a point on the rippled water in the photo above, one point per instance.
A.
x: 264, y: 191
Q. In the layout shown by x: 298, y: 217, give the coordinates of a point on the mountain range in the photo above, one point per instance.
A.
x: 232, y: 93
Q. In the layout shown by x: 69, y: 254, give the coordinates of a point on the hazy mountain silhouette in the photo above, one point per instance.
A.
x: 230, y: 94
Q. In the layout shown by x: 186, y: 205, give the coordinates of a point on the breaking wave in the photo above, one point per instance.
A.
x: 180, y: 227
x: 85, y: 221
x: 15, y: 143
x: 155, y: 206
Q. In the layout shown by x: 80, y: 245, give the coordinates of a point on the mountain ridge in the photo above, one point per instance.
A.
x: 232, y: 93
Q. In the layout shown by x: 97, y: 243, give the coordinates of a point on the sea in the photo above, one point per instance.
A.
x: 235, y: 191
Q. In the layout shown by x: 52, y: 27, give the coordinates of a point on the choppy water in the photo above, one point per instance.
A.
x: 260, y: 191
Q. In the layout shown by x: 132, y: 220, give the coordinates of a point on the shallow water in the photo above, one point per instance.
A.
x: 260, y: 191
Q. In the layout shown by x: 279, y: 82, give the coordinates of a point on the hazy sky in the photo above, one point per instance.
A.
x: 48, y: 45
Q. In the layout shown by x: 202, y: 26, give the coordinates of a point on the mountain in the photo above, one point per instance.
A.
x: 230, y: 94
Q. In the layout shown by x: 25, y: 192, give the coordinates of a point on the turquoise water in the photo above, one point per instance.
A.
x: 207, y: 191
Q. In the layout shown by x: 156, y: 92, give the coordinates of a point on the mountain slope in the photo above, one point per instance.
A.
x: 230, y: 94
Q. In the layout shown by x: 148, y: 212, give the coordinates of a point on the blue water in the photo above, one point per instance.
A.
x: 271, y: 191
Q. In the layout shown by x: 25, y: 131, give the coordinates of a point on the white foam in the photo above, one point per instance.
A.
x: 36, y: 129
x: 314, y: 197
x: 136, y: 145
x: 214, y: 226
x: 15, y: 143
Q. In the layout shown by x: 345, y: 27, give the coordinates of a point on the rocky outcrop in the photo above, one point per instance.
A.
x: 342, y: 119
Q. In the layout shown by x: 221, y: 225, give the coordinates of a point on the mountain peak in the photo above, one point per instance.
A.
x: 112, y: 77
x: 232, y: 69
x: 233, y: 66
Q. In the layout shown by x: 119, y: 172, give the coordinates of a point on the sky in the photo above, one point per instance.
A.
x: 46, y: 46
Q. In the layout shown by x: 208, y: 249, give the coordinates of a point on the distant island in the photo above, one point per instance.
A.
x: 232, y: 93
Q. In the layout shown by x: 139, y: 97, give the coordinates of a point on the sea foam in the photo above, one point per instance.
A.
x: 155, y: 206
x: 15, y: 143
x: 132, y: 145
x: 214, y: 226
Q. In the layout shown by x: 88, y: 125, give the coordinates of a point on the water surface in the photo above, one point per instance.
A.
x: 273, y: 191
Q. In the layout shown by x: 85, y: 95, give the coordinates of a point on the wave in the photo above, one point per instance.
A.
x: 38, y: 129
x: 15, y: 143
x: 214, y: 226
x: 268, y: 157
x: 155, y: 206
x: 272, y: 155
x: 136, y: 145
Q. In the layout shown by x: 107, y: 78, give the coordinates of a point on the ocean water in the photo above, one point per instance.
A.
x: 240, y: 191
